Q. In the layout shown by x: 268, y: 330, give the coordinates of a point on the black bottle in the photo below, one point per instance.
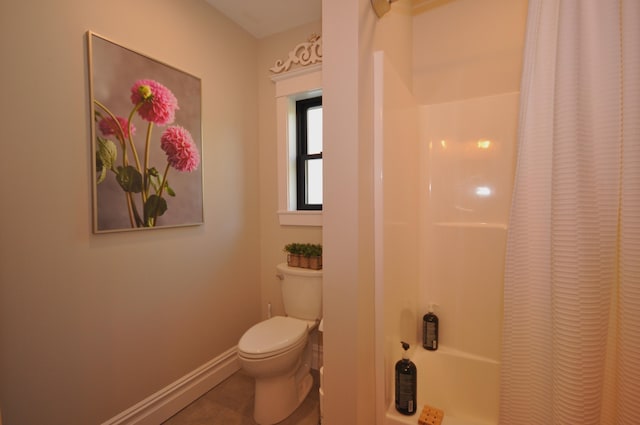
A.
x: 430, y: 330
x: 406, y: 383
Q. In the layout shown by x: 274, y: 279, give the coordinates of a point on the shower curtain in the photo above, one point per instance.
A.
x: 571, y: 335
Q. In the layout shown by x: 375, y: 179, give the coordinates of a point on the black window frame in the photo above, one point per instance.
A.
x: 302, y: 157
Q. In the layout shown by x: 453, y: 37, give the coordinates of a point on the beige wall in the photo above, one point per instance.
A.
x: 346, y: 373
x: 352, y: 33
x: 393, y: 34
x: 92, y: 324
x: 467, y: 48
x: 273, y: 236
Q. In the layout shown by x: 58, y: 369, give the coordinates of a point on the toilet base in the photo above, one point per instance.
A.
x: 291, y: 392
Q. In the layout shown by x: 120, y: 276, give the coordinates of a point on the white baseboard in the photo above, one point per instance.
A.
x: 179, y: 394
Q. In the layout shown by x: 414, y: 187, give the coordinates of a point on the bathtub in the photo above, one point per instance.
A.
x: 464, y: 386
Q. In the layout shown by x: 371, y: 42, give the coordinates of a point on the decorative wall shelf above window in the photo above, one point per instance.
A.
x: 304, y: 54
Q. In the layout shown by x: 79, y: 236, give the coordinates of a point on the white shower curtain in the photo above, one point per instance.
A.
x: 571, y: 337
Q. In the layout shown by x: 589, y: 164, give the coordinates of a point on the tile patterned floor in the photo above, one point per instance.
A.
x: 231, y: 403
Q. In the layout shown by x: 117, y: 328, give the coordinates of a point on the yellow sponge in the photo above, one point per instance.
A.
x: 430, y: 416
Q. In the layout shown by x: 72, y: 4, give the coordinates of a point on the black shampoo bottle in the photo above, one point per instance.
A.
x: 406, y: 383
x: 430, y: 330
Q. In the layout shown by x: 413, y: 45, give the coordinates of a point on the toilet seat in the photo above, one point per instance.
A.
x: 272, y: 337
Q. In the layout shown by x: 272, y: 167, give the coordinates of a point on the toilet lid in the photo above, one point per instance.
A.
x: 273, y: 335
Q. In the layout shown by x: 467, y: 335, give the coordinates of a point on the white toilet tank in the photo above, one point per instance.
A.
x: 301, y: 292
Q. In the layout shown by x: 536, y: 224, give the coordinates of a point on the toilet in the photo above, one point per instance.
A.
x: 276, y: 352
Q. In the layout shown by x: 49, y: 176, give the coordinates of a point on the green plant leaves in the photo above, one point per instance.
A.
x: 304, y: 249
x: 153, y: 178
x: 106, y: 155
x: 154, y: 207
x: 129, y: 179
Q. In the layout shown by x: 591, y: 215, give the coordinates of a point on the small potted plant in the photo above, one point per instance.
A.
x: 305, y: 255
x: 314, y: 253
x: 294, y: 252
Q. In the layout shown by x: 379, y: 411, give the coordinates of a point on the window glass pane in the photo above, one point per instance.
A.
x: 314, y: 130
x: 314, y: 181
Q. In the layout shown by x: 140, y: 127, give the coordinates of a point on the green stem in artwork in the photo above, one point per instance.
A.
x: 130, y: 207
x: 162, y: 185
x: 147, y: 146
x: 164, y: 180
x: 133, y: 147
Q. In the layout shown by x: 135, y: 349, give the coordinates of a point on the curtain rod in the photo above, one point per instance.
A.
x: 381, y: 6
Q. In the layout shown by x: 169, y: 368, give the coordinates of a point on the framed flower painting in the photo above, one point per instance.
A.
x: 146, y: 138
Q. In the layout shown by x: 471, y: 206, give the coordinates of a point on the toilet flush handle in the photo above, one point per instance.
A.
x: 280, y: 276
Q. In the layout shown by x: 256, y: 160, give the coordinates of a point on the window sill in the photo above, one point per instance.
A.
x: 300, y: 218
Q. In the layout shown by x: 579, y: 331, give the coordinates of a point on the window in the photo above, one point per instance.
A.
x: 309, y: 154
x: 292, y: 87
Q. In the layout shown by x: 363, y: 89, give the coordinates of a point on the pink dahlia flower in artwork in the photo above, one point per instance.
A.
x: 158, y: 102
x: 109, y: 127
x: 182, y: 153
